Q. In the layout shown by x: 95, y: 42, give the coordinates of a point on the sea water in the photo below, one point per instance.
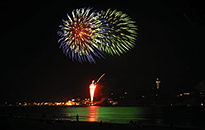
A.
x: 184, y: 116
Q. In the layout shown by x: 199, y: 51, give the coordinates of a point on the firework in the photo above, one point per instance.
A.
x: 100, y: 78
x: 93, y: 86
x: 82, y: 34
x: 122, y: 35
x: 92, y: 91
x: 87, y: 34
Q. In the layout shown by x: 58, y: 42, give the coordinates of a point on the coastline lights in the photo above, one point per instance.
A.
x: 70, y: 103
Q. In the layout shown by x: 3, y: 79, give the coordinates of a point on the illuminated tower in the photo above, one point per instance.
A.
x: 157, y: 83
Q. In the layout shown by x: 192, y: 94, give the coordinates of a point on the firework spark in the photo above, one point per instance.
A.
x: 122, y: 34
x: 92, y: 91
x: 87, y: 34
x: 93, y: 86
x: 82, y: 35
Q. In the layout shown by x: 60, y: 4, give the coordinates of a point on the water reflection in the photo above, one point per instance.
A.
x: 147, y: 115
x: 93, y: 110
x: 109, y: 114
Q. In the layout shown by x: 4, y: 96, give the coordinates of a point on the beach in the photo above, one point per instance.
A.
x: 42, y: 124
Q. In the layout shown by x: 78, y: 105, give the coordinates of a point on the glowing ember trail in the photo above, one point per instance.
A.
x: 100, y: 78
x: 92, y: 88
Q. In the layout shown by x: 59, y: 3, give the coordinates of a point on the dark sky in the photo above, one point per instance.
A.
x: 170, y: 45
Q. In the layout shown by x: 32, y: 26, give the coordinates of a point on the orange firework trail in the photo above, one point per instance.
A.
x: 100, y: 78
x: 92, y: 88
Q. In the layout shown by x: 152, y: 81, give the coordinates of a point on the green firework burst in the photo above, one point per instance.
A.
x: 122, y: 35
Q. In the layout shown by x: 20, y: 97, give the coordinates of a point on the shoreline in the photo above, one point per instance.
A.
x: 32, y: 123
x: 150, y: 105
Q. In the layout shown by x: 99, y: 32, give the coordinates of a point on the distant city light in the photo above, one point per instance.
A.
x: 113, y: 100
x: 25, y: 104
x: 68, y: 103
x: 78, y: 99
x: 114, y: 103
x: 58, y: 103
x: 186, y: 93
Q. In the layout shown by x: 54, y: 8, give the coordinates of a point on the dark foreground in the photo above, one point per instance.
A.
x: 40, y: 124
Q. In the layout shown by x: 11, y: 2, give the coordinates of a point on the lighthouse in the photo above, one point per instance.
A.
x: 157, y: 83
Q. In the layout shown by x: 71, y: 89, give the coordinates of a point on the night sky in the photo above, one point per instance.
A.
x: 170, y: 45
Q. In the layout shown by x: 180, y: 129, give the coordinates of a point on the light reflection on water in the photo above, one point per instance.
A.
x: 147, y: 115
x: 191, y: 116
x: 106, y: 114
x: 93, y: 113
